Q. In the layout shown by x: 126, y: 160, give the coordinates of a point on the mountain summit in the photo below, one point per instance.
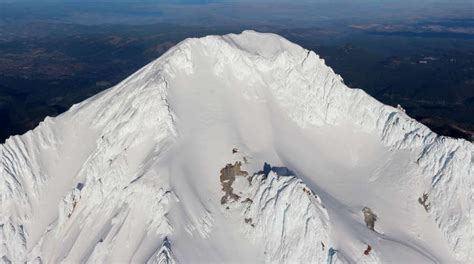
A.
x: 236, y: 148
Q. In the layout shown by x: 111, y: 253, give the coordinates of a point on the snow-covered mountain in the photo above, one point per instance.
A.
x: 237, y: 148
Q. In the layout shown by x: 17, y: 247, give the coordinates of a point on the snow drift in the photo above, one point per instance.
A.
x: 133, y: 173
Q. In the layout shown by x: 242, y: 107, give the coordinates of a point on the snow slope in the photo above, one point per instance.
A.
x: 137, y: 173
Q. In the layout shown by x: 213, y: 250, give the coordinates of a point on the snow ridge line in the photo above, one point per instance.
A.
x: 129, y: 118
x: 286, y: 204
x: 164, y: 255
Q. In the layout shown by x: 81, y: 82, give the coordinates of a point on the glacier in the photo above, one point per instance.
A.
x: 132, y: 173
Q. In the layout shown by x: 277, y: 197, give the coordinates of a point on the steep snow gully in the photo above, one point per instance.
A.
x: 307, y: 166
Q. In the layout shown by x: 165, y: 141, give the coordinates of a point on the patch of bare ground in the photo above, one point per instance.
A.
x: 367, y: 251
x: 369, y: 218
x: 227, y: 178
x: 424, y: 201
x: 249, y: 221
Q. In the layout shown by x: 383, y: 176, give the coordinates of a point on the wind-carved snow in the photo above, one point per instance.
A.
x: 164, y: 255
x: 447, y: 166
x: 288, y: 217
x: 120, y: 174
x: 109, y: 174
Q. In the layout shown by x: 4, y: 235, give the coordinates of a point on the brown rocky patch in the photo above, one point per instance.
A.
x: 369, y: 218
x: 424, y: 201
x: 227, y: 178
